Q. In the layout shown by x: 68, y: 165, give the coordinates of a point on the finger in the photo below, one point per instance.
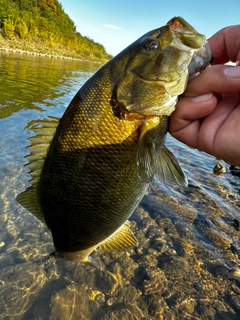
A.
x: 225, y: 45
x: 185, y: 121
x: 217, y: 79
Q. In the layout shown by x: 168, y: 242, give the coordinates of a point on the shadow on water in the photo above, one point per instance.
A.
x: 186, y: 265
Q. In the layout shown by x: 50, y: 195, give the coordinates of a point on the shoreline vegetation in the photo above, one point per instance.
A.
x: 42, y: 28
x: 43, y: 51
x: 39, y: 54
x: 42, y: 54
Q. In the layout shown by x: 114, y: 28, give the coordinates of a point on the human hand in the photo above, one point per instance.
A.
x: 208, y: 115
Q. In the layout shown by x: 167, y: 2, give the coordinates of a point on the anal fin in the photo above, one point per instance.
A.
x: 122, y: 239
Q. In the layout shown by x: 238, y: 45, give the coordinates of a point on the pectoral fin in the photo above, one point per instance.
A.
x: 121, y: 239
x: 168, y: 170
x: 147, y: 149
x: 146, y: 159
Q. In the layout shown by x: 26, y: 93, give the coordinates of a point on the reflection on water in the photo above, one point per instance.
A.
x: 187, y: 263
x: 55, y: 80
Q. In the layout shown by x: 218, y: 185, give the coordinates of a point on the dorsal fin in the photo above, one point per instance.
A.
x: 121, y: 239
x: 44, y: 131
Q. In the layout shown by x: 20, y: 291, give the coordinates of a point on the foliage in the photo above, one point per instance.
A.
x: 45, y: 20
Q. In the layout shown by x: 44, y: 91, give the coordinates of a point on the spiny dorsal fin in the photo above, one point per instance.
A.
x: 168, y: 169
x: 44, y: 131
x: 121, y: 239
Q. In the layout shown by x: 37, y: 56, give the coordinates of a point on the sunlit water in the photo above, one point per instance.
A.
x: 187, y: 263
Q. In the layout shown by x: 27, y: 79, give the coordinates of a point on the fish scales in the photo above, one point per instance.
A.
x: 98, y: 179
x: 109, y: 144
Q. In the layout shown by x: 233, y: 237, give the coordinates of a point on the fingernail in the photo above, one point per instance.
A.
x: 233, y: 72
x: 202, y: 98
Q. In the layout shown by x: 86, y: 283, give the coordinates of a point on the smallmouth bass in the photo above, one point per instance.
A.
x: 91, y: 168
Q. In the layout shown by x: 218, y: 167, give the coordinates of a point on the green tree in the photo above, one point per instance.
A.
x: 46, y: 20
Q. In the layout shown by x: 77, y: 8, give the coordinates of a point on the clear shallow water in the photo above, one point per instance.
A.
x: 187, y: 263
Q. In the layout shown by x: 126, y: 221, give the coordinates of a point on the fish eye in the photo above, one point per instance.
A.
x: 150, y: 44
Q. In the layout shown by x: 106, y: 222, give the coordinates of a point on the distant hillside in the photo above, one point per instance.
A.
x: 38, y: 25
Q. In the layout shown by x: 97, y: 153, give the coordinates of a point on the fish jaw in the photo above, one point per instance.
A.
x: 201, y: 52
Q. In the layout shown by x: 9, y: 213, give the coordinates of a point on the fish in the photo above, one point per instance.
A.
x: 90, y: 169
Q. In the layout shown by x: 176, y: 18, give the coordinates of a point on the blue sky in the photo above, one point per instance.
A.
x: 117, y: 23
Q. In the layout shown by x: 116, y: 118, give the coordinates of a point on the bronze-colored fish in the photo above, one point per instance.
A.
x: 109, y: 144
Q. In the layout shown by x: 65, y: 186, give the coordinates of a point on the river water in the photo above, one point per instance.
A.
x: 186, y: 265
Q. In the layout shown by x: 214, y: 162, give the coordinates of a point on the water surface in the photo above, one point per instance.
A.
x: 187, y: 263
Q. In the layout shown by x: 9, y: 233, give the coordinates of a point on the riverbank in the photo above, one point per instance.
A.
x: 43, y: 49
x: 43, y: 54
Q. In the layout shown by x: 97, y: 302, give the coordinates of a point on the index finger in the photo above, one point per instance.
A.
x: 216, y: 80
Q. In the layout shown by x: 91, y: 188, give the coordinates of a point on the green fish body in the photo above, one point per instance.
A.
x: 91, y: 169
